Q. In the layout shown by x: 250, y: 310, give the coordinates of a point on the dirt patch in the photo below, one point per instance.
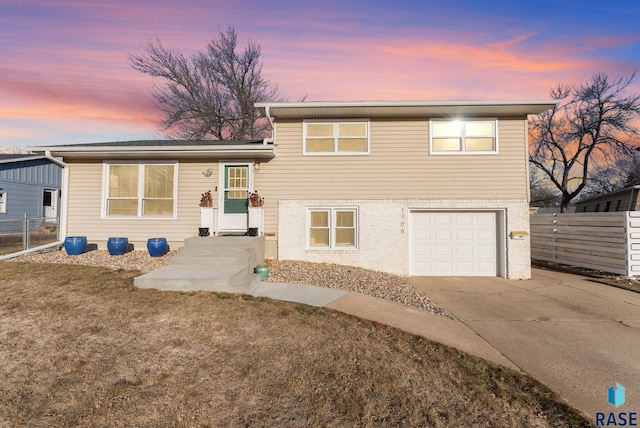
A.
x: 631, y: 284
x: 80, y: 345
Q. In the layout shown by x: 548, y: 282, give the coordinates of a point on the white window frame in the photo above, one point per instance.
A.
x: 462, y: 150
x: 336, y: 124
x: 105, y: 190
x: 332, y: 228
x: 3, y: 202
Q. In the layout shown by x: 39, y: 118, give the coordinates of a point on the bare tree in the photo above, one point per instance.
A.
x: 632, y: 173
x: 609, y: 177
x: 593, y: 127
x: 541, y: 194
x: 211, y: 94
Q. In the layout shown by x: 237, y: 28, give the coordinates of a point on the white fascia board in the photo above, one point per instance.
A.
x: 453, y: 103
x: 262, y: 151
x: 296, y: 110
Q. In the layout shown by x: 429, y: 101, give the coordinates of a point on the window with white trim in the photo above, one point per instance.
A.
x: 140, y: 190
x: 336, y: 138
x: 463, y: 136
x: 332, y: 228
x: 3, y: 202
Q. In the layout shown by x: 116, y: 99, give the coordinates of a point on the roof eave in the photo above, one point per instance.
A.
x: 404, y: 108
x: 23, y: 159
x: 405, y: 103
x: 102, y: 152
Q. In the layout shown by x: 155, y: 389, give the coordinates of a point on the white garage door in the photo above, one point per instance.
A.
x: 453, y: 243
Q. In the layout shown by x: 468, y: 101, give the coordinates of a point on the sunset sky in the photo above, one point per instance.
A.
x: 65, y: 76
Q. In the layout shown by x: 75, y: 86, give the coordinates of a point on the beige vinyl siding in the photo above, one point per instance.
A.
x: 85, y: 204
x: 398, y: 167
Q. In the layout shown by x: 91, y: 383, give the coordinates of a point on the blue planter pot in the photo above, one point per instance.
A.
x: 117, y: 246
x: 75, y: 245
x: 157, y: 247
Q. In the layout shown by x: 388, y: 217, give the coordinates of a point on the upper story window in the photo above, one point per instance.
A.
x: 336, y: 138
x: 140, y: 190
x: 3, y: 202
x: 463, y: 136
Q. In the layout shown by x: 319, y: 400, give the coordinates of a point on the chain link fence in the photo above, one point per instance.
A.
x: 23, y: 234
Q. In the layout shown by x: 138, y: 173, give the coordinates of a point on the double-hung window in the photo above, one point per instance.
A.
x: 332, y: 228
x: 3, y: 202
x: 337, y: 138
x: 140, y: 190
x: 463, y: 136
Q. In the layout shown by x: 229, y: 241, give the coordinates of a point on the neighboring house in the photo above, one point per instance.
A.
x: 412, y: 188
x: 620, y: 200
x: 29, y: 184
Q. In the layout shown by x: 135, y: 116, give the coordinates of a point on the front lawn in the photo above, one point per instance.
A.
x: 80, y: 345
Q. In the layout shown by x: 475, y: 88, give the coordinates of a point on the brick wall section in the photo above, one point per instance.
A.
x: 384, y: 235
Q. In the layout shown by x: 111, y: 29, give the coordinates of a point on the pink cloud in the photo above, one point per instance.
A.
x: 72, y: 64
x: 411, y: 68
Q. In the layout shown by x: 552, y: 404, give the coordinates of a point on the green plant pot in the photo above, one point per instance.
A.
x: 263, y: 271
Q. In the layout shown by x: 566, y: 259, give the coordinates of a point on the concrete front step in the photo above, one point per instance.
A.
x: 189, y: 250
x: 223, y: 264
x: 191, y: 278
x: 223, y: 241
x: 226, y: 246
x: 204, y: 260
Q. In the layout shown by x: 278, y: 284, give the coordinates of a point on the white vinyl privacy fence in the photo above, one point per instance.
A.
x: 609, y: 242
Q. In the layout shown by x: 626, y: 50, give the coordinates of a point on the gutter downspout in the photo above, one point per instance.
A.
x: 269, y: 118
x: 273, y: 128
x: 64, y: 198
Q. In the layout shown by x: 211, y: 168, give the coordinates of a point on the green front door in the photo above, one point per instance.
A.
x: 236, y: 189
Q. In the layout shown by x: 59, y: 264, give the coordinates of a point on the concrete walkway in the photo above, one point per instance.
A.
x: 574, y: 335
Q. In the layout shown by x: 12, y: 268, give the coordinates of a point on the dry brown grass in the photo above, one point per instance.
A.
x: 80, y: 346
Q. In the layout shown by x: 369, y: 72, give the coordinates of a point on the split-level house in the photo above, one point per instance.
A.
x: 411, y: 188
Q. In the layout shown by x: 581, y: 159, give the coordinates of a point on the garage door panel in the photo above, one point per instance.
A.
x: 462, y: 235
x: 488, y: 220
x: 442, y: 219
x: 443, y: 250
x: 441, y: 266
x: 460, y: 219
x: 463, y: 268
x: 486, y: 251
x: 454, y: 243
x: 443, y: 235
x: 462, y: 251
x: 487, y: 269
x: 485, y: 235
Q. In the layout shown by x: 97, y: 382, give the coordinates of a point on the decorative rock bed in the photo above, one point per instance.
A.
x: 341, y: 277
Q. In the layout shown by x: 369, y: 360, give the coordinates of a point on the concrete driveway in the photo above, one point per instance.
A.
x: 574, y: 335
